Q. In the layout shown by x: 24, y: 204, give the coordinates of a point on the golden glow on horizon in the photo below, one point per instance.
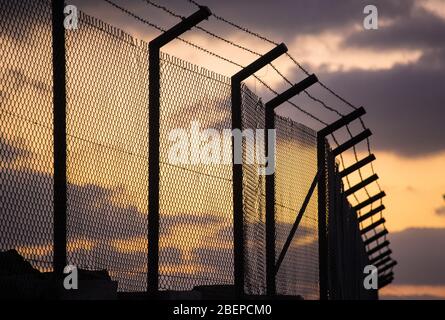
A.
x: 412, y: 291
x: 414, y: 185
x: 422, y: 177
x: 414, y: 188
x: 32, y: 251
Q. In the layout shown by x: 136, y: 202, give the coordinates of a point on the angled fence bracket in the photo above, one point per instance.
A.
x: 387, y: 267
x: 382, y: 262
x: 291, y: 92
x: 342, y: 122
x: 376, y: 237
x: 369, y: 201
x: 238, y: 212
x: 356, y: 166
x: 322, y: 158
x: 352, y: 142
x: 154, y: 130
x: 371, y: 213
x: 373, y: 226
x: 361, y: 185
x: 384, y: 280
x: 378, y: 247
x: 381, y: 256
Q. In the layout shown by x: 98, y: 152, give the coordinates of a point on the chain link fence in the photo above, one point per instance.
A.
x: 107, y: 164
x: 196, y: 214
x: 296, y: 168
x: 107, y: 142
x: 26, y: 137
x: 347, y: 256
x: 254, y: 205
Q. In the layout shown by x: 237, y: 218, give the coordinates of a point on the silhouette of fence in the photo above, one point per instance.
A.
x: 26, y: 140
x: 107, y: 126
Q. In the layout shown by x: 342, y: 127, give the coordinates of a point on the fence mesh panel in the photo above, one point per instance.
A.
x: 196, y: 214
x: 26, y: 137
x: 107, y: 162
x: 254, y: 206
x: 296, y: 167
x: 107, y: 167
x: 347, y: 255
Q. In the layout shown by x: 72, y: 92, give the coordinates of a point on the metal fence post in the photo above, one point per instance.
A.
x: 323, y: 166
x: 154, y: 130
x: 59, y: 131
x: 153, y: 171
x: 270, y: 106
x: 237, y: 188
x: 334, y: 196
x: 238, y: 212
x: 270, y: 211
x: 322, y: 215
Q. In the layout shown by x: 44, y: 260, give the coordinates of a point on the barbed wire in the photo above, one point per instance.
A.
x: 128, y: 12
x: 313, y: 98
x: 212, y: 34
x: 300, y: 66
x: 174, y: 14
x: 257, y: 35
x: 338, y: 96
x: 170, y: 12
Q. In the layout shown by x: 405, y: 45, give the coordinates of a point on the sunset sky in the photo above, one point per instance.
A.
x: 396, y: 72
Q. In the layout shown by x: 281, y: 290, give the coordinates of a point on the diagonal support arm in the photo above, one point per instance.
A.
x: 296, y: 223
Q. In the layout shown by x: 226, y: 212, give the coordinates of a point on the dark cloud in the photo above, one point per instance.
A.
x: 419, y: 253
x: 20, y: 79
x: 9, y: 151
x: 285, y: 18
x: 215, y: 258
x: 17, y: 24
x: 26, y: 220
x: 170, y: 256
x: 28, y: 207
x: 420, y: 29
x: 94, y: 217
x: 404, y: 105
x: 169, y: 222
x: 100, y: 231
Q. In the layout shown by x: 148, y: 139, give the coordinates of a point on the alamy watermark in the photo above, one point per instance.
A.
x: 71, y: 280
x: 371, y: 21
x: 72, y: 17
x: 371, y: 279
x: 209, y: 146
